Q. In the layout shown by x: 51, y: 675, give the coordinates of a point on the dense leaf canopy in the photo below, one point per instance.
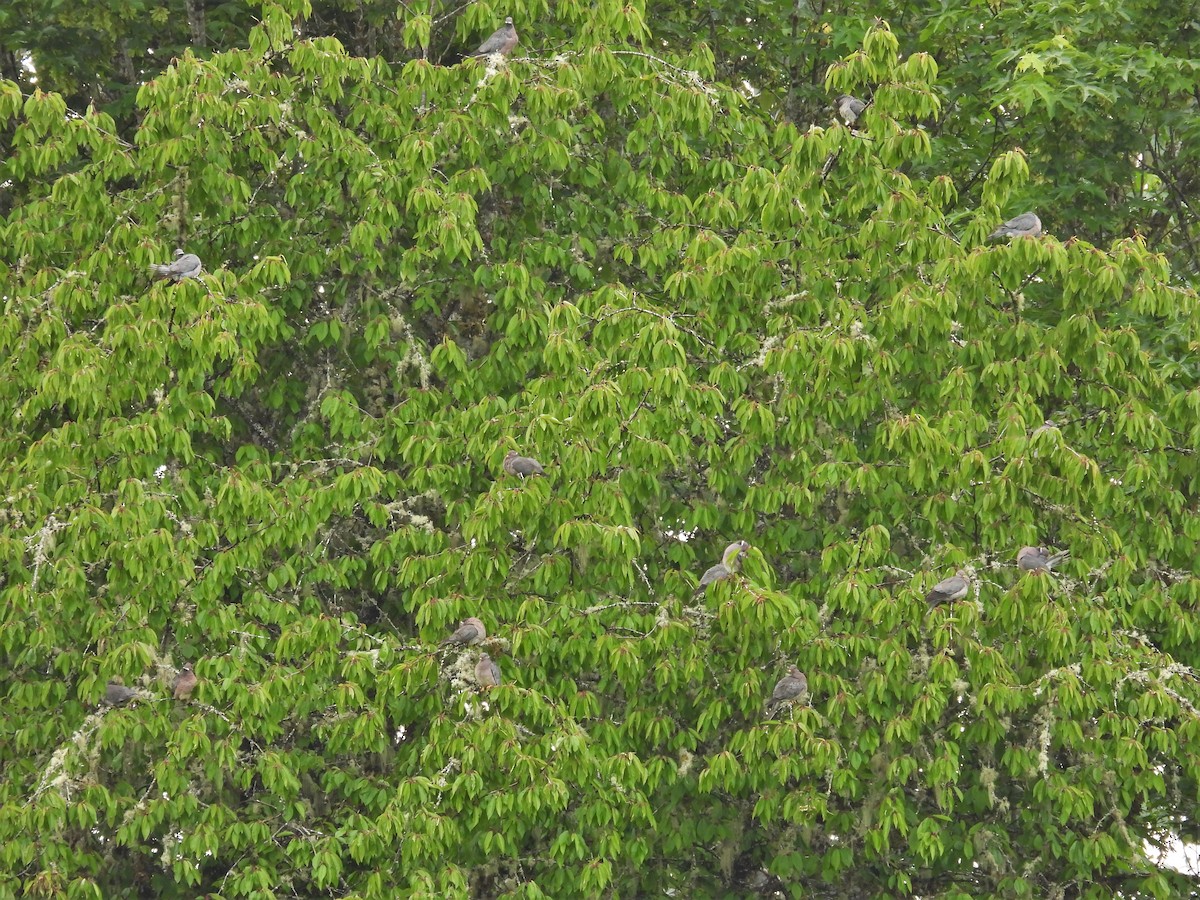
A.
x: 644, y: 252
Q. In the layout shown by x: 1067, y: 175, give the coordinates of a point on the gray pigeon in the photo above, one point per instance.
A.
x: 502, y: 41
x: 792, y: 686
x: 1024, y: 225
x: 524, y: 466
x: 949, y: 589
x: 469, y: 632
x: 849, y: 108
x: 487, y: 673
x: 731, y: 561
x: 1040, y: 559
x: 186, y: 265
x: 116, y: 694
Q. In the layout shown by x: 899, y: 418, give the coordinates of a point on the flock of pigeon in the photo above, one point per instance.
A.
x: 793, y: 685
x: 791, y: 688
x: 1024, y: 225
x: 502, y: 42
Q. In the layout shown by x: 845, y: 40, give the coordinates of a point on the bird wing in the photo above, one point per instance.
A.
x: 462, y: 634
x: 948, y: 587
x: 784, y: 688
x: 186, y: 265
x: 493, y: 44
x: 528, y: 466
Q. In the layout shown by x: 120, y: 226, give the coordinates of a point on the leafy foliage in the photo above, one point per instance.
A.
x: 706, y: 324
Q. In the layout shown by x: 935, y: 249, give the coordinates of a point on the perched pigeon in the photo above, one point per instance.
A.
x: 731, y: 561
x: 1024, y: 225
x: 502, y: 41
x: 116, y: 694
x: 525, y: 466
x: 949, y: 589
x: 849, y: 108
x: 1040, y: 559
x: 185, y: 683
x: 487, y: 673
x: 792, y: 686
x: 186, y: 265
x: 469, y: 632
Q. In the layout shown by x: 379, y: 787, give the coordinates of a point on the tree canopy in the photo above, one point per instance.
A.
x: 644, y: 252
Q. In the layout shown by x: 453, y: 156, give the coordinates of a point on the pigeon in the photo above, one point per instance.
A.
x: 487, y: 673
x: 731, y: 562
x: 185, y: 683
x: 949, y: 589
x: 525, y: 466
x: 116, y: 694
x: 1040, y: 559
x: 186, y: 265
x: 849, y: 108
x: 792, y: 686
x: 1024, y: 225
x: 502, y: 41
x: 469, y: 632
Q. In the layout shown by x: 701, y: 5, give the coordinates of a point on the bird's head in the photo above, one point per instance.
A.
x: 732, y: 557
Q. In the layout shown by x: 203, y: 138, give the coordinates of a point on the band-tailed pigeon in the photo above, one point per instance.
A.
x: 116, y: 694
x: 469, y: 632
x: 949, y: 589
x: 186, y: 265
x: 1040, y: 559
x: 1024, y: 225
x: 524, y: 466
x: 731, y: 561
x: 849, y: 108
x: 487, y: 673
x: 502, y: 41
x: 792, y: 686
x: 185, y: 683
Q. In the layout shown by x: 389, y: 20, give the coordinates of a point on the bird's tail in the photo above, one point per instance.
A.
x: 1061, y: 556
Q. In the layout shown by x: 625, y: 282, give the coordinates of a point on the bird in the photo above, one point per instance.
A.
x: 524, y: 466
x: 1040, y: 559
x: 116, y: 694
x: 731, y: 561
x: 185, y: 683
x: 503, y: 41
x: 186, y: 265
x: 849, y: 108
x: 487, y: 673
x: 1024, y: 225
x: 792, y: 686
x: 469, y: 632
x: 949, y: 589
